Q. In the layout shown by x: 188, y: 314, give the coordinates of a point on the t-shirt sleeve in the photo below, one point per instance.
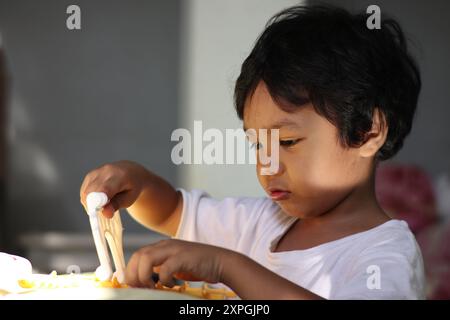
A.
x: 224, y: 223
x: 391, y: 271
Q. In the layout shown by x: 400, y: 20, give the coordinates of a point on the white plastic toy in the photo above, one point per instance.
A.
x: 106, y: 232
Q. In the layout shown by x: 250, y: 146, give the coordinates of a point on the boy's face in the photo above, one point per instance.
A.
x: 315, y: 171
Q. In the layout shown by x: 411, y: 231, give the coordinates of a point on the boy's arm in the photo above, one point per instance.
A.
x: 196, y: 261
x: 158, y: 207
x: 250, y: 280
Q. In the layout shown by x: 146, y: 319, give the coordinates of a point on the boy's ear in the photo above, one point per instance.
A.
x: 376, y: 137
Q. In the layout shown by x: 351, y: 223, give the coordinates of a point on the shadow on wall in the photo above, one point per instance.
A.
x: 120, y: 70
x: 42, y: 168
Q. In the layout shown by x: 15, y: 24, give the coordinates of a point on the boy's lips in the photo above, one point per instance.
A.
x: 278, y: 194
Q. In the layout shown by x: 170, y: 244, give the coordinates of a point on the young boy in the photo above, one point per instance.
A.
x: 343, y: 98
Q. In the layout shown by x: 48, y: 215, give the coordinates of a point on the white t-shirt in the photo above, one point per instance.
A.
x: 381, y: 263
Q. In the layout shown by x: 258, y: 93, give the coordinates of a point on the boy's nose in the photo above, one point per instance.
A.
x: 271, y: 169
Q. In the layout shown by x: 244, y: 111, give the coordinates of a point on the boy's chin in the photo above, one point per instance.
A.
x: 293, y: 209
x: 299, y: 210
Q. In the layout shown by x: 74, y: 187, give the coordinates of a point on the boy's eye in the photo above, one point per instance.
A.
x: 284, y: 143
x: 256, y: 145
x: 288, y: 143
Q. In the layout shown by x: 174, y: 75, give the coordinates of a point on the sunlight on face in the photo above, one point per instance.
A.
x: 315, y: 171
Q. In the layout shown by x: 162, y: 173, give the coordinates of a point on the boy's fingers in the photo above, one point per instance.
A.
x: 167, y: 270
x: 88, y: 179
x: 119, y: 201
x: 171, y: 246
x: 156, y: 269
x: 185, y: 276
x: 159, y: 258
x: 179, y: 275
x: 108, y: 211
x: 147, y: 263
x: 139, y: 270
x: 145, y: 271
x: 131, y: 274
x: 111, y: 186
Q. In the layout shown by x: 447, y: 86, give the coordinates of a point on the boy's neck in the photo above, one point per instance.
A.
x: 360, y: 206
x: 358, y: 212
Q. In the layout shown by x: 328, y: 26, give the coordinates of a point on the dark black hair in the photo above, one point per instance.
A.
x: 329, y: 57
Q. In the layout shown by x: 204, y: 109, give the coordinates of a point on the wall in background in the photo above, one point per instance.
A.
x: 82, y: 98
x: 217, y: 37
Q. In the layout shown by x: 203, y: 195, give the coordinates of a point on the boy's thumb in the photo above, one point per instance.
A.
x: 120, y: 200
x: 108, y: 210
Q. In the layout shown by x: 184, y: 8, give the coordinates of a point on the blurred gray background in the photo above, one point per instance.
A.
x: 80, y: 99
x: 117, y: 88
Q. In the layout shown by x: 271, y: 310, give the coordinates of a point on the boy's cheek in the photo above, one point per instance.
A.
x: 333, y: 169
x: 322, y: 181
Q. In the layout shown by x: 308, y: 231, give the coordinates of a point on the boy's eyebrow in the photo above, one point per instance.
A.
x: 282, y: 123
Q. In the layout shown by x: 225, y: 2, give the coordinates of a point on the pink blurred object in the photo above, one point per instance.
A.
x: 434, y: 242
x: 406, y: 193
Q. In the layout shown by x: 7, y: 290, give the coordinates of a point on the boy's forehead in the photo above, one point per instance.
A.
x: 261, y: 111
x: 271, y: 116
x: 274, y: 124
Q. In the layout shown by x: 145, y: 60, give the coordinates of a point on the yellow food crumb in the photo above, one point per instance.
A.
x: 26, y: 284
x: 114, y: 283
x: 205, y: 292
x: 54, y: 281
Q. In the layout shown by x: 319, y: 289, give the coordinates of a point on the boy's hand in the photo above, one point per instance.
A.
x: 121, y: 181
x: 175, y: 258
x: 194, y: 261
